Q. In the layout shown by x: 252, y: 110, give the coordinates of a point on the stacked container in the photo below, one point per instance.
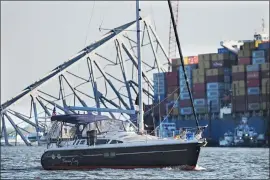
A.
x: 185, y: 102
x: 159, y: 87
x: 238, y: 88
x: 258, y: 56
x: 265, y: 82
x: 172, y: 90
x: 253, y: 87
x: 199, y: 90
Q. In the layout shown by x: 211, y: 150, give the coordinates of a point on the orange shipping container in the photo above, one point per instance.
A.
x: 185, y: 60
x: 193, y: 60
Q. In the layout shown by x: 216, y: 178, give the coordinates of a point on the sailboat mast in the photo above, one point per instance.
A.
x: 140, y: 117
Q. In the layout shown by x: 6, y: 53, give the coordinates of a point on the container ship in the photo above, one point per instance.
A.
x: 228, y: 85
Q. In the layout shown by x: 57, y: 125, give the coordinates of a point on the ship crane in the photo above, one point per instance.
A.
x: 234, y: 46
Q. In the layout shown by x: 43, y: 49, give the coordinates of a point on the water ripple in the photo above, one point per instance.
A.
x: 214, y: 163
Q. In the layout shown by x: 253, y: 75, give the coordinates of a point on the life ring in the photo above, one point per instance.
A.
x: 177, y: 137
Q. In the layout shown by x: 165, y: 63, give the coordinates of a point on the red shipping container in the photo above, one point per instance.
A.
x: 219, y: 78
x: 239, y: 76
x: 239, y: 107
x: 193, y: 60
x: 171, y: 78
x: 254, y: 98
x: 161, y: 107
x: 253, y: 83
x: 236, y: 99
x: 242, y: 61
x: 199, y: 87
x: 265, y: 74
x: 172, y: 89
x: 253, y: 75
x: 199, y: 95
x: 185, y: 103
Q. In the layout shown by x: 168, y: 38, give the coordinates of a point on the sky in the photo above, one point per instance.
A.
x: 38, y: 36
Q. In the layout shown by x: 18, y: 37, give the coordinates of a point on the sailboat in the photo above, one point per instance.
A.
x: 102, y: 142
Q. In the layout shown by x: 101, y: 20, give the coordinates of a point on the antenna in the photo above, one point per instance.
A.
x: 262, y: 25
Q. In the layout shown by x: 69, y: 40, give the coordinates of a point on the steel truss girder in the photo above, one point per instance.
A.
x: 4, y: 130
x: 17, y: 130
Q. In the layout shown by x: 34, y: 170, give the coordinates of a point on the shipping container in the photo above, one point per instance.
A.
x: 253, y: 75
x: 219, y: 78
x: 186, y: 111
x: 184, y: 95
x: 214, y: 56
x: 193, y: 60
x: 204, y: 57
x: 199, y: 102
x: 172, y: 89
x: 174, y: 69
x: 159, y: 90
x: 223, y: 50
x: 184, y: 89
x: 227, y: 79
x: 204, y: 64
x: 185, y: 103
x: 160, y: 107
x: 222, y: 64
x: 250, y: 45
x: 215, y: 93
x: 214, y: 72
x: 161, y: 96
x: 214, y: 86
x: 227, y: 86
x: 236, y: 99
x: 171, y: 78
x: 183, y: 82
x: 227, y: 71
x: 265, y: 85
x: 265, y: 67
x: 238, y: 68
x: 239, y: 107
x: 265, y: 105
x: 264, y: 45
x: 198, y: 72
x: 254, y: 98
x: 258, y: 60
x: 182, y: 75
x: 253, y: 90
x: 244, y: 61
x: 200, y: 110
x: 213, y: 101
x: 198, y: 80
x: 198, y: 94
x: 170, y: 97
x: 214, y: 109
x: 258, y: 54
x: 238, y: 91
x: 199, y: 87
x: 174, y: 62
x: 238, y: 84
x: 253, y: 106
x: 253, y: 67
x: 265, y: 74
x: 253, y: 83
x: 239, y: 76
x: 185, y: 60
x: 175, y: 111
x: 244, y: 53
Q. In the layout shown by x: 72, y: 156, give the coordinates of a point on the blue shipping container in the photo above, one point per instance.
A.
x: 199, y: 102
x: 214, y: 86
x: 215, y: 93
x: 182, y: 76
x: 253, y: 90
x: 162, y: 97
x: 227, y: 71
x: 186, y: 110
x: 227, y: 79
x: 264, y: 46
x: 214, y: 101
x: 183, y: 82
x: 227, y: 86
x: 258, y: 53
x: 184, y: 95
x: 258, y: 60
x: 214, y: 109
x: 223, y: 50
x: 253, y: 67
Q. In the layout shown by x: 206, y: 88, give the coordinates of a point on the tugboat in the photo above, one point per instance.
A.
x: 244, y: 136
x: 102, y: 142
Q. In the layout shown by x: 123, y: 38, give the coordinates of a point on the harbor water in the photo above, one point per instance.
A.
x: 23, y: 162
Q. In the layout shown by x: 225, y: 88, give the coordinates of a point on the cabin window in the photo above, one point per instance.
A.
x: 82, y: 142
x: 77, y: 142
x: 115, y: 142
x: 102, y: 141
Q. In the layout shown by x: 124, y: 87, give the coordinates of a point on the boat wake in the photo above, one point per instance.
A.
x: 186, y: 168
